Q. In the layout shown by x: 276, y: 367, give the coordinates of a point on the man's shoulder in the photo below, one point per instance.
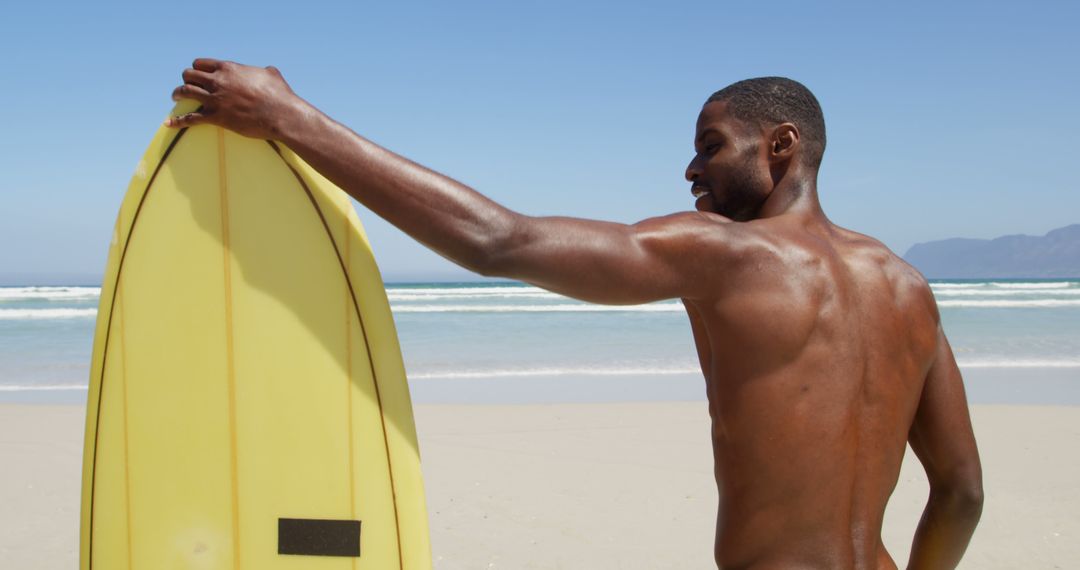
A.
x: 827, y: 254
x: 685, y: 221
x: 702, y: 234
x: 900, y: 271
x: 869, y: 256
x: 716, y: 254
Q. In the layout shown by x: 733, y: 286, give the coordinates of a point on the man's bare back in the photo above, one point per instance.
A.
x: 814, y: 359
x: 822, y: 351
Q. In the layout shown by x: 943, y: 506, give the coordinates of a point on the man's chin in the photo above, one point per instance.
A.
x: 705, y: 204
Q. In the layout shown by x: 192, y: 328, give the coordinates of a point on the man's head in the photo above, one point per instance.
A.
x: 749, y: 135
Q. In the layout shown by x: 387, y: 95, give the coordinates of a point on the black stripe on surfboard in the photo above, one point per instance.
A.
x: 108, y: 333
x: 363, y: 332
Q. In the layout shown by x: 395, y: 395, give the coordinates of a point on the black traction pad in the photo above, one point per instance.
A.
x: 314, y: 537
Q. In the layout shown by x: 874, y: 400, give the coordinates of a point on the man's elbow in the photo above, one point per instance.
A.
x: 487, y: 265
x: 499, y: 254
x: 484, y: 256
x: 964, y: 498
x: 481, y: 261
x: 970, y: 501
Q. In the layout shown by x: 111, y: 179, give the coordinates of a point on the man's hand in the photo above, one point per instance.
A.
x: 253, y: 101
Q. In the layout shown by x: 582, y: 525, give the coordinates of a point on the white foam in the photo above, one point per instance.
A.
x: 957, y: 285
x: 1022, y: 363
x: 396, y: 296
x: 984, y: 285
x: 566, y: 308
x: 50, y: 293
x: 36, y: 314
x: 684, y: 370
x: 1020, y: 303
x: 582, y: 371
x: 1051, y: 285
x: 60, y: 388
x: 463, y: 290
x: 1004, y: 292
x: 531, y: 372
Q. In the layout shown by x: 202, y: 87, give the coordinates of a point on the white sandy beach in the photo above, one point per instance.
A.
x: 619, y: 486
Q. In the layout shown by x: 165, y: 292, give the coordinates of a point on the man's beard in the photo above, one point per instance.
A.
x: 744, y: 194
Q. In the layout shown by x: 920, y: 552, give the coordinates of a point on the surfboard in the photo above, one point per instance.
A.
x: 248, y: 406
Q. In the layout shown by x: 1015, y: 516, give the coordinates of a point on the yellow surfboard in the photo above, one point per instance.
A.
x: 248, y: 407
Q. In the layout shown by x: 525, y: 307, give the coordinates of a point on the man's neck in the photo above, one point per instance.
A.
x: 795, y: 194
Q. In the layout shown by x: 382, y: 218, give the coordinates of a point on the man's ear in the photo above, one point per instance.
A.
x: 784, y: 142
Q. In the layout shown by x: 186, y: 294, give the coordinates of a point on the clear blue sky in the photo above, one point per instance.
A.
x: 944, y: 119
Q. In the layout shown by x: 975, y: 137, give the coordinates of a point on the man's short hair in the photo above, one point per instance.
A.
x: 775, y: 100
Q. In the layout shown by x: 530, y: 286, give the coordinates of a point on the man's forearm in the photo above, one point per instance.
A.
x: 447, y: 216
x: 945, y: 530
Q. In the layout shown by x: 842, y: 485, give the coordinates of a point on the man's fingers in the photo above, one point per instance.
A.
x: 190, y: 91
x: 187, y: 120
x: 207, y: 64
x: 199, y: 84
x: 200, y: 78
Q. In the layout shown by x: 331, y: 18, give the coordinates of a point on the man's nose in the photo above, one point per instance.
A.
x: 693, y: 170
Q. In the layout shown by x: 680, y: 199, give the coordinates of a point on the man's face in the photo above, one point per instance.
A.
x: 729, y: 174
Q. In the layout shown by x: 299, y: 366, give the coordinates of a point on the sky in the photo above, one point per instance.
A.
x: 950, y: 119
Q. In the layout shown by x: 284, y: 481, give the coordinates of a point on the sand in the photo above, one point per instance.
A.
x: 594, y: 486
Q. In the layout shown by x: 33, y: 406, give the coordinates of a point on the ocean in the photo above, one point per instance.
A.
x: 477, y: 342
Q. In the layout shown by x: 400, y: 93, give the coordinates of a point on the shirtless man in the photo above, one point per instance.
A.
x: 822, y: 351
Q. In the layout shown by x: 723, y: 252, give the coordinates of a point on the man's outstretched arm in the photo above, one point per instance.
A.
x: 595, y: 261
x: 942, y: 438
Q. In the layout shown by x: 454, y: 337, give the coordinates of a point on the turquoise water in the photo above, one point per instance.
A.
x: 498, y: 333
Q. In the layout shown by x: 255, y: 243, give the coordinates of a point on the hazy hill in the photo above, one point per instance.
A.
x: 1056, y: 254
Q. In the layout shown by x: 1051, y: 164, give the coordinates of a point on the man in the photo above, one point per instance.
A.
x: 822, y: 351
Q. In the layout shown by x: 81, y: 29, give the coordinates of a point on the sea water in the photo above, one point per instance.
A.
x: 466, y: 341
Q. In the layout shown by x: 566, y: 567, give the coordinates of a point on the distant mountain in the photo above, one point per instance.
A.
x: 1057, y: 254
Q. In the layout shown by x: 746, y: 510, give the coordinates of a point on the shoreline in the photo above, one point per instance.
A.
x: 1022, y: 385
x: 588, y: 485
